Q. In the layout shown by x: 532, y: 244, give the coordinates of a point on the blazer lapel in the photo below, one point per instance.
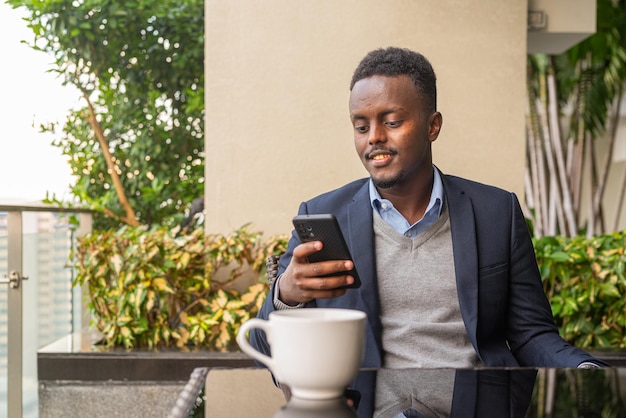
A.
x: 463, y: 230
x: 361, y: 242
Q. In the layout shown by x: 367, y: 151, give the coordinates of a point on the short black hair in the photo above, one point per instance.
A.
x: 392, y: 62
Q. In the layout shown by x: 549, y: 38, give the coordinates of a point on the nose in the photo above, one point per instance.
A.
x: 376, y: 134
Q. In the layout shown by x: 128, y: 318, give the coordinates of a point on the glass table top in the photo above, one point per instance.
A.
x: 484, y: 392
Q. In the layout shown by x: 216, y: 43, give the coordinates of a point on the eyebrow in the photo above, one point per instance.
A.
x: 383, y: 113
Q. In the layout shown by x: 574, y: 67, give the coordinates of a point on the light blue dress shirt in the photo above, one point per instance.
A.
x: 398, y: 222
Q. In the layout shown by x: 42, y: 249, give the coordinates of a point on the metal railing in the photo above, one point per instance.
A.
x: 16, y: 278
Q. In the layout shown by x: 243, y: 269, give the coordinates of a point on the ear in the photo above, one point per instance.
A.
x: 435, y: 121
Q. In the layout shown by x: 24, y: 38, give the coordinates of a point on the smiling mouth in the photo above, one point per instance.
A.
x: 380, y: 155
x: 380, y: 160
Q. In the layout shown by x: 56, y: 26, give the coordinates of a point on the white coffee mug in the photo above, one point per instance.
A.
x: 317, y: 352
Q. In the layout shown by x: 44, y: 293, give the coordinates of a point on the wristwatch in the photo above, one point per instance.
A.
x: 588, y: 365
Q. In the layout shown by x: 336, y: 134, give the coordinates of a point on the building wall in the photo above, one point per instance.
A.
x: 277, y: 87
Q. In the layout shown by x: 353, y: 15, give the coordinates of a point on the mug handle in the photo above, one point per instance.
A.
x: 244, y: 344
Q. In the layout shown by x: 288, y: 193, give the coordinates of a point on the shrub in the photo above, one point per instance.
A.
x: 148, y: 288
x: 585, y: 283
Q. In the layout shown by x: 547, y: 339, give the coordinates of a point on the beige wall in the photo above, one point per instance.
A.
x: 277, y: 75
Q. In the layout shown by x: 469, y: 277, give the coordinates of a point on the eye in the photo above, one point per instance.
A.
x: 361, y: 128
x: 393, y: 123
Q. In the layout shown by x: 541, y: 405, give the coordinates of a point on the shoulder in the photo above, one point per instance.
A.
x: 486, y: 199
x: 473, y: 188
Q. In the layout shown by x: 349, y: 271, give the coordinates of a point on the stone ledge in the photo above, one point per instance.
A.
x: 77, y: 358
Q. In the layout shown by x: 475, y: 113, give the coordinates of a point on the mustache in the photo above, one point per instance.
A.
x: 374, y: 151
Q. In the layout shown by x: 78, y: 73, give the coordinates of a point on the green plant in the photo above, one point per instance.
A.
x: 148, y: 288
x: 136, y: 144
x: 585, y: 282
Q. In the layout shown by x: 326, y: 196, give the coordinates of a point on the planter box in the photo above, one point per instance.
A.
x: 78, y: 378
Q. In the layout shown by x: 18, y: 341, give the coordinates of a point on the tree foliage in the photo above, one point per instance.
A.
x: 136, y: 147
x: 574, y: 106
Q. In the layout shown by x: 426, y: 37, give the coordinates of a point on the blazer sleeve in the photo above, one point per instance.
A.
x: 532, y: 334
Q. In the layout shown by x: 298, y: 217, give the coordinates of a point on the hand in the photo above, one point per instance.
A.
x: 302, y: 281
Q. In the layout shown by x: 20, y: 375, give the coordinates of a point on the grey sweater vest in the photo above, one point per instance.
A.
x: 420, y: 313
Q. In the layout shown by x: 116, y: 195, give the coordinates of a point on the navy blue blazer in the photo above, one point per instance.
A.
x: 506, y: 313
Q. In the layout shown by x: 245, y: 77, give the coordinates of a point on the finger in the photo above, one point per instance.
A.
x: 330, y: 268
x: 302, y: 251
x: 295, y: 288
x: 323, y: 294
x: 324, y: 283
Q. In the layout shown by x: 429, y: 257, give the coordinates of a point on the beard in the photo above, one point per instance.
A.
x: 388, y: 183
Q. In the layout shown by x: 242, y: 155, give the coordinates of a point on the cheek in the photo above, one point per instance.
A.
x: 415, y: 142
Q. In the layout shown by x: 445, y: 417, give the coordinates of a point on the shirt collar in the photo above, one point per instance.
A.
x: 436, y: 196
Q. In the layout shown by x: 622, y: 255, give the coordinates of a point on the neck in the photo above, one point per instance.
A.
x: 411, y: 199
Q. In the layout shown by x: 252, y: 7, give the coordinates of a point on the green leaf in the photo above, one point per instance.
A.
x: 559, y: 256
x: 161, y: 284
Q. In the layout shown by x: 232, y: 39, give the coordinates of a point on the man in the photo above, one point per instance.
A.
x: 449, y: 276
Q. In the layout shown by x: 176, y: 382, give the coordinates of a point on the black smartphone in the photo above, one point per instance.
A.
x: 324, y: 227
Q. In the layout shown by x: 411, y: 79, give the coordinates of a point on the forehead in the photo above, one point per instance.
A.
x: 383, y: 91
